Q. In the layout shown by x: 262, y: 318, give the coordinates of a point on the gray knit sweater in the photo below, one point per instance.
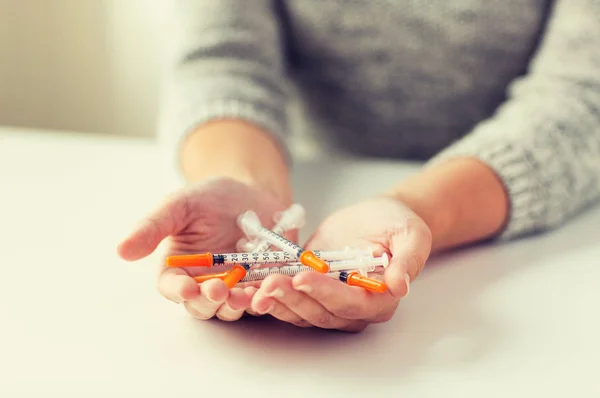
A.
x: 515, y: 83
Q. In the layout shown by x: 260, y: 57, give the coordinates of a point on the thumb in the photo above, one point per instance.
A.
x: 410, y: 247
x: 168, y: 219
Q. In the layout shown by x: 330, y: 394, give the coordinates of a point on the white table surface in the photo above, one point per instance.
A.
x: 520, y: 319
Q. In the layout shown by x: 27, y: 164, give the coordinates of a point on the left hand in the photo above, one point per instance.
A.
x: 312, y: 299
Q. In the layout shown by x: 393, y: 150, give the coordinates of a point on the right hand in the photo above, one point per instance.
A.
x: 201, y: 218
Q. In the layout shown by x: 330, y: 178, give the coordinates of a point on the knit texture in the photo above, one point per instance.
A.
x: 514, y: 83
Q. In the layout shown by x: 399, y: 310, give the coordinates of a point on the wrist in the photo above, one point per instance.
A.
x: 462, y: 201
x: 438, y: 216
x: 236, y: 150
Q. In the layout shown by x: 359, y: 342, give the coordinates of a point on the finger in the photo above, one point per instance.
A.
x: 168, y: 219
x: 356, y: 327
x: 410, y: 248
x: 175, y: 285
x: 347, y: 302
x: 234, y: 307
x: 267, y: 305
x: 244, y: 245
x: 279, y: 288
x: 251, y: 291
x: 213, y: 294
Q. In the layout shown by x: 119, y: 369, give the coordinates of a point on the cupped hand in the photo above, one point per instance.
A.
x: 201, y: 218
x: 312, y: 299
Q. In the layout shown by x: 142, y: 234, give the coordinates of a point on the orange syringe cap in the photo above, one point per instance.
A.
x: 236, y: 274
x: 191, y: 260
x: 356, y: 279
x: 310, y: 259
x: 206, y: 277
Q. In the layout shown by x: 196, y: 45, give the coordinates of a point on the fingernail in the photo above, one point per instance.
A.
x: 226, y: 313
x: 250, y: 290
x: 252, y: 312
x: 200, y: 313
x: 276, y: 293
x: 269, y: 309
x: 304, y: 288
x: 407, y: 280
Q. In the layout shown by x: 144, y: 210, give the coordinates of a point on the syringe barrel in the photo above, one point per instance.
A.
x: 281, y: 242
x: 291, y: 218
x: 275, y: 257
x: 345, y: 254
x: 258, y: 274
x: 261, y: 273
x: 361, y: 262
x: 278, y: 257
x: 264, y: 244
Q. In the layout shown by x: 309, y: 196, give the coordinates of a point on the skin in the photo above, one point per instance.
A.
x: 313, y: 299
x: 201, y: 218
x: 449, y: 205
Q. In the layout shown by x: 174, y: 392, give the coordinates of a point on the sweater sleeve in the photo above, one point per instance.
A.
x: 544, y: 141
x: 227, y: 63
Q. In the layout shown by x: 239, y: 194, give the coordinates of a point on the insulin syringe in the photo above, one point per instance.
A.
x: 291, y: 218
x: 276, y: 257
x: 352, y: 272
x: 250, y: 224
x: 350, y: 277
x: 358, y: 264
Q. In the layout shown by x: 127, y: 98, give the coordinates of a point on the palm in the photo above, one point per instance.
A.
x: 201, y: 218
x: 382, y: 224
x: 211, y: 210
x: 370, y: 224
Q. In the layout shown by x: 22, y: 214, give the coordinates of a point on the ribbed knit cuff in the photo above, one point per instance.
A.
x: 176, y: 125
x: 517, y: 171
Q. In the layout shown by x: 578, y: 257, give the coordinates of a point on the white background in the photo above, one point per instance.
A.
x: 82, y: 65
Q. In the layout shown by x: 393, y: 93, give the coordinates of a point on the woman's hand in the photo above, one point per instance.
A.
x: 198, y: 219
x: 311, y: 299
